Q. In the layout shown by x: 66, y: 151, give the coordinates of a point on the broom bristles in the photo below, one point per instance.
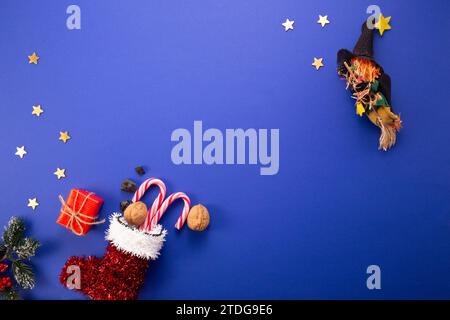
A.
x: 388, y: 137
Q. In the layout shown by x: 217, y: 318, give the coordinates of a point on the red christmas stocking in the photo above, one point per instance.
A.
x: 121, y: 272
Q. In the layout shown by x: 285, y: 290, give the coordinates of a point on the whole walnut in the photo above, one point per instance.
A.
x: 198, y: 218
x: 136, y: 213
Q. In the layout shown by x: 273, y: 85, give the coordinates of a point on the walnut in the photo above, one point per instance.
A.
x: 198, y: 218
x: 136, y: 213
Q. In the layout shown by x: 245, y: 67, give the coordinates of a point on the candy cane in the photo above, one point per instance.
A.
x: 173, y: 197
x: 156, y: 204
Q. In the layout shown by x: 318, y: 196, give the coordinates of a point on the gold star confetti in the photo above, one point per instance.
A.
x: 20, y: 151
x: 323, y: 20
x: 33, y: 203
x: 37, y: 110
x: 60, y: 173
x: 288, y: 25
x: 383, y: 24
x: 317, y: 63
x: 64, y: 136
x: 33, y: 58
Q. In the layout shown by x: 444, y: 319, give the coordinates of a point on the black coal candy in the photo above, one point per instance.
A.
x: 140, y: 170
x: 128, y: 186
x: 124, y: 204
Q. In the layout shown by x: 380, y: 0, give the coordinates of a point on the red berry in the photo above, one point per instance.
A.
x: 3, y: 267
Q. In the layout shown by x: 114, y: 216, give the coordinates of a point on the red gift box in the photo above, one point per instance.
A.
x: 80, y: 212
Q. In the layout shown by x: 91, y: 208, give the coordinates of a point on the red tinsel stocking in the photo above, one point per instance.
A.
x: 121, y: 272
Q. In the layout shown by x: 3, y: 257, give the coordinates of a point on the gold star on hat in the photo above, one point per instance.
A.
x: 383, y: 24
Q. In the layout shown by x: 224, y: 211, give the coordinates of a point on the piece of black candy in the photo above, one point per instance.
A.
x: 140, y: 170
x: 128, y: 186
x: 124, y: 204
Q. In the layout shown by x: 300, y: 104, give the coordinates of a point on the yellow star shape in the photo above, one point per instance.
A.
x: 288, y: 25
x: 33, y: 58
x: 33, y: 203
x: 60, y: 173
x: 383, y: 24
x: 20, y: 151
x: 317, y: 63
x: 64, y: 136
x: 360, y: 109
x: 323, y: 20
x: 37, y: 110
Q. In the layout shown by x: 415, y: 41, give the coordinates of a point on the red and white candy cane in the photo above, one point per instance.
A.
x: 156, y: 204
x: 173, y: 197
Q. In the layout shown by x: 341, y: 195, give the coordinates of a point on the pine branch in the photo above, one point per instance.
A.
x: 13, y: 233
x: 3, y: 251
x: 17, y: 248
x: 27, y: 248
x: 9, y: 294
x: 23, y: 273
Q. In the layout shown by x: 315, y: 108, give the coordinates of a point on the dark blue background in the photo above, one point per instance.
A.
x: 140, y: 69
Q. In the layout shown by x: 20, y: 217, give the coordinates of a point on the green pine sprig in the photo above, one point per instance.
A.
x: 18, y: 249
x: 23, y: 273
x: 13, y: 233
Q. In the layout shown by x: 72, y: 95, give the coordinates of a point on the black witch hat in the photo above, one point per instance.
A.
x: 364, y: 49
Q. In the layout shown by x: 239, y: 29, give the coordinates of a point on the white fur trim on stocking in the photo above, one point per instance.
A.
x: 131, y: 240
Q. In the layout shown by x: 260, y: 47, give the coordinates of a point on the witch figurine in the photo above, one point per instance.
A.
x: 370, y: 87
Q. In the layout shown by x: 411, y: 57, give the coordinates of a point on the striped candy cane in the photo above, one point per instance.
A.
x: 173, y: 197
x: 156, y: 204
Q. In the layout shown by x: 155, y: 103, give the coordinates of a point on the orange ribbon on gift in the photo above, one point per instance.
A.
x: 76, y: 215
